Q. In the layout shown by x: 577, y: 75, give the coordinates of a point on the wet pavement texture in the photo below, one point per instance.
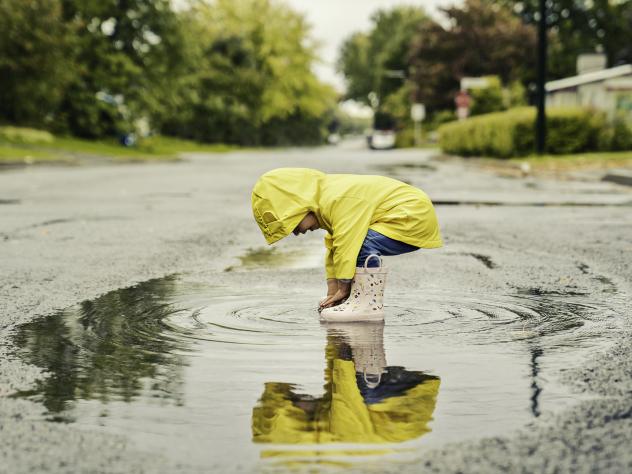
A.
x: 508, y: 349
x: 168, y: 356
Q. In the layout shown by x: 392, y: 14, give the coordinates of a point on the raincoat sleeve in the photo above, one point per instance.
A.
x: 329, y: 256
x: 350, y: 217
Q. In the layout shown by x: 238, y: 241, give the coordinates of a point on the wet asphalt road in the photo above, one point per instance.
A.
x: 72, y: 233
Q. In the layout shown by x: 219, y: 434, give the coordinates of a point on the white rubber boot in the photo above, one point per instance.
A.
x: 365, y: 302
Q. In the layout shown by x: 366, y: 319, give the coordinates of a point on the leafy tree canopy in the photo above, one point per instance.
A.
x: 377, y: 61
x: 482, y: 38
x: 235, y: 71
x: 579, y: 26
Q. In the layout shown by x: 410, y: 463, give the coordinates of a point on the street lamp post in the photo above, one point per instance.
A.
x: 541, y: 123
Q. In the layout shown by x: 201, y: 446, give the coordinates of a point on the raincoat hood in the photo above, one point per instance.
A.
x: 282, y: 197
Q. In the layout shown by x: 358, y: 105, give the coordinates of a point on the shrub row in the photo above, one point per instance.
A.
x: 23, y: 135
x: 512, y: 133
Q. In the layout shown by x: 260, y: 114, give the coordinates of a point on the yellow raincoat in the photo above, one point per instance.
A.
x: 341, y: 415
x: 346, y: 206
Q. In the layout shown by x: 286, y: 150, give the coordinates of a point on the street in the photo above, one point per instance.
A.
x: 524, y: 317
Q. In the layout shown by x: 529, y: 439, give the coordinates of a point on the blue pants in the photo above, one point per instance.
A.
x: 376, y: 243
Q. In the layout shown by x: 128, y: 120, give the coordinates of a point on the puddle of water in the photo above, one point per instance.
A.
x: 272, y: 257
x: 252, y: 379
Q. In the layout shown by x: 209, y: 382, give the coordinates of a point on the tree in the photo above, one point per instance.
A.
x: 34, y: 60
x: 482, y: 38
x: 252, y: 78
x: 369, y: 60
x: 124, y: 53
x: 579, y: 26
x: 230, y: 71
x: 488, y: 99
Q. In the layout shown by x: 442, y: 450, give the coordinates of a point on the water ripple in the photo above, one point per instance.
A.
x: 257, y: 320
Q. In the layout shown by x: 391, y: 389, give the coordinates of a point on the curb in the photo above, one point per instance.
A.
x: 623, y: 177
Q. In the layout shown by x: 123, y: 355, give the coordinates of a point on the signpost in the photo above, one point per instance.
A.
x: 541, y: 102
x: 462, y: 101
x: 418, y: 114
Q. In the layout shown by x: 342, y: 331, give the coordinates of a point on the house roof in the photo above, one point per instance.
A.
x: 594, y: 76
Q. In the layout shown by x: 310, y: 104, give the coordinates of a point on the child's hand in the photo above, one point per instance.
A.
x: 332, y: 289
x: 341, y: 294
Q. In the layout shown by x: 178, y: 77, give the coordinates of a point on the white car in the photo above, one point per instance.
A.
x: 382, y: 140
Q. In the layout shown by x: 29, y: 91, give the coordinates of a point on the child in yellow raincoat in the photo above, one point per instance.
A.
x: 363, y: 215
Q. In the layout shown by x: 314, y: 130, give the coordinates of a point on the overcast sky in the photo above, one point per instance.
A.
x: 335, y: 20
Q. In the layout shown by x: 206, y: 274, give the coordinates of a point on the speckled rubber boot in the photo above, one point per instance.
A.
x: 365, y: 302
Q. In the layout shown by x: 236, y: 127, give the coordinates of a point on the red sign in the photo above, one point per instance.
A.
x: 463, y: 100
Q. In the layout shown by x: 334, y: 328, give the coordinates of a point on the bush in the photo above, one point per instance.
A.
x: 439, y: 118
x: 617, y: 135
x: 405, y: 138
x: 512, y: 133
x: 488, y: 99
x: 22, y: 135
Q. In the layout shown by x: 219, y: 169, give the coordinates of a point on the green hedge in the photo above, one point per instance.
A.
x: 512, y: 133
x: 24, y: 135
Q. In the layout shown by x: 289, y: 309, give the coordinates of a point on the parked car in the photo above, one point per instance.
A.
x: 382, y: 139
x: 382, y: 136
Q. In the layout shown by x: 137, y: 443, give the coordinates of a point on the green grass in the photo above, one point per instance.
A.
x: 14, y: 154
x: 24, y: 145
x: 555, y: 164
x: 579, y: 160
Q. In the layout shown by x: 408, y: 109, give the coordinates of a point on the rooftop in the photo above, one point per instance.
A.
x: 594, y: 76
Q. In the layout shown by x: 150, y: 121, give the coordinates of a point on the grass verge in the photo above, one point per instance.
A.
x: 556, y: 165
x: 28, y: 146
x: 596, y: 160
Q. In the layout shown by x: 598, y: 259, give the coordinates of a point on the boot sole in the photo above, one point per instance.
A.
x: 362, y: 317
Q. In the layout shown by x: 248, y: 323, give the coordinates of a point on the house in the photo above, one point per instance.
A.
x: 607, y: 89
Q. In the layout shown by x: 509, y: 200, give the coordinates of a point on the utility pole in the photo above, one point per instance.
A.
x: 541, y: 123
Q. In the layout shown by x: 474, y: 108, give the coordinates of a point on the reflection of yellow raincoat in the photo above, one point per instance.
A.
x: 342, y: 414
x: 346, y: 206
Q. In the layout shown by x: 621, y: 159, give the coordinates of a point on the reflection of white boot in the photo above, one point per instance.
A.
x: 366, y: 341
x: 365, y: 302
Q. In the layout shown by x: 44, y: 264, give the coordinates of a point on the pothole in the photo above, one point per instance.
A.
x: 229, y: 375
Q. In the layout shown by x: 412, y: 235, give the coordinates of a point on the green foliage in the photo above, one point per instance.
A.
x: 25, y: 135
x: 349, y: 125
x: 481, y: 38
x: 123, y: 51
x: 511, y: 133
x: 251, y: 73
x: 10, y: 154
x: 579, y: 26
x: 616, y: 135
x: 439, y: 118
x: 405, y: 138
x: 356, y: 64
x: 366, y: 58
x: 488, y: 99
x: 220, y: 71
x: 398, y: 105
x: 515, y: 95
x: 622, y: 135
x: 19, y: 145
x: 34, y: 60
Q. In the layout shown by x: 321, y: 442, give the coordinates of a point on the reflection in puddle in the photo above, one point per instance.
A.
x: 272, y: 257
x: 177, y: 366
x: 365, y: 401
x: 111, y: 348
